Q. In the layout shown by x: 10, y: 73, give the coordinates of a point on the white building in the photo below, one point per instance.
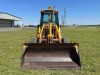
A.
x: 7, y: 20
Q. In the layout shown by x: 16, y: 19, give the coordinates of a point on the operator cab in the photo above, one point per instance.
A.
x: 48, y: 16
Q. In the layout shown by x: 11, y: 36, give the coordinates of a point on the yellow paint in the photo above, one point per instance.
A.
x: 42, y: 10
x: 50, y: 31
x: 58, y: 32
x: 49, y: 8
x: 76, y: 48
x: 50, y: 35
x: 40, y: 31
x: 24, y: 46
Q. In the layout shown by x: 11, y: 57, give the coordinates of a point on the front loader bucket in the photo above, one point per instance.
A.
x: 50, y: 56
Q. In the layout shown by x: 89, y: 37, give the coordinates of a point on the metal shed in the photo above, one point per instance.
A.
x: 7, y: 20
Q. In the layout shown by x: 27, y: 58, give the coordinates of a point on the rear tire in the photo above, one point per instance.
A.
x: 33, y: 40
x: 65, y: 40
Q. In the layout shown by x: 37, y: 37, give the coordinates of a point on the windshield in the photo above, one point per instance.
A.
x: 47, y: 17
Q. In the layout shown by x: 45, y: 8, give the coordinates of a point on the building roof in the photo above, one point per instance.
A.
x: 8, y: 16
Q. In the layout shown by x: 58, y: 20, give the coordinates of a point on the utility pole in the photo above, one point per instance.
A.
x: 64, y: 19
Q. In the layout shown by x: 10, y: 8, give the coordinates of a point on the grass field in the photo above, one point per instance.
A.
x: 11, y: 50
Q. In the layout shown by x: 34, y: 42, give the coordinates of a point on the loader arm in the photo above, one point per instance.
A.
x: 50, y: 34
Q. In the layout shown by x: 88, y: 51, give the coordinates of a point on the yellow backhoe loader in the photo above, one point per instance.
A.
x: 51, y: 50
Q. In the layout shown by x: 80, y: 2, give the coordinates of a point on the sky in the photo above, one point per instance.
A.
x: 77, y: 11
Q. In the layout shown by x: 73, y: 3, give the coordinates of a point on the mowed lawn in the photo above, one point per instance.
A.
x: 11, y: 50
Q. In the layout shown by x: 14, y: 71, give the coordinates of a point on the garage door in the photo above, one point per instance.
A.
x: 5, y: 23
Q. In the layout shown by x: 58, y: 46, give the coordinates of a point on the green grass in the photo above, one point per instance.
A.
x: 11, y: 50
